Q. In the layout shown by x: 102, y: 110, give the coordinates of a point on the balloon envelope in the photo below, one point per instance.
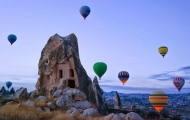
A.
x: 84, y: 11
x: 163, y: 50
x: 12, y: 38
x: 158, y: 99
x: 8, y: 84
x: 123, y: 76
x: 100, y: 68
x: 178, y: 82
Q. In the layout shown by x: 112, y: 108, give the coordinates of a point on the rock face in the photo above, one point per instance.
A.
x: 117, y: 104
x: 57, y: 63
x: 2, y: 91
x: 133, y: 116
x: 12, y: 91
x: 21, y: 95
x: 60, y: 67
x: 6, y: 95
x: 101, y: 104
x: 121, y: 116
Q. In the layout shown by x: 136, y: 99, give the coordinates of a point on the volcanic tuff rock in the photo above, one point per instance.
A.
x: 20, y: 95
x: 117, y: 104
x: 100, y: 102
x: 60, y: 67
x: 2, y: 91
x: 12, y: 91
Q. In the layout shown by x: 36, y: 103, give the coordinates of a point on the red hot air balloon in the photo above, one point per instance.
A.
x: 178, y: 82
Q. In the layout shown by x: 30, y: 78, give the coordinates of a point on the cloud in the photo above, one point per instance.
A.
x: 19, y: 76
x: 168, y: 75
x: 15, y: 78
x: 127, y: 89
x: 186, y: 68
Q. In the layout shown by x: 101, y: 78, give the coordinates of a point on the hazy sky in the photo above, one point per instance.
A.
x: 124, y: 34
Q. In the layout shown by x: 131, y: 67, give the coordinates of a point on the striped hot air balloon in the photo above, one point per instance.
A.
x: 163, y: 50
x: 123, y: 76
x: 158, y: 99
x: 178, y: 82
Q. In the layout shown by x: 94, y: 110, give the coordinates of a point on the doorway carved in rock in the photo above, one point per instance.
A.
x: 71, y: 83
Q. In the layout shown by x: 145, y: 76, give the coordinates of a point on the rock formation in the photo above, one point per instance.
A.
x: 121, y: 116
x: 117, y: 104
x: 60, y: 67
x: 21, y: 95
x: 100, y: 102
x: 2, y: 91
x: 12, y: 91
x: 6, y: 95
x: 133, y: 106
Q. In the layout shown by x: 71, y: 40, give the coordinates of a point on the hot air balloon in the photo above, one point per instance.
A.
x: 12, y: 38
x: 178, y: 82
x: 8, y: 84
x: 84, y: 11
x: 123, y: 76
x: 158, y: 99
x: 100, y: 68
x: 163, y: 50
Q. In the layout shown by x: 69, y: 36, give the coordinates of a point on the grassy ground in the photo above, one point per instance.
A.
x: 15, y: 112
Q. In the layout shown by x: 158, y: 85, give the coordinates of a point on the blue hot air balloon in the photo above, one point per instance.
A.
x: 84, y: 11
x: 123, y: 76
x: 8, y: 84
x: 12, y: 38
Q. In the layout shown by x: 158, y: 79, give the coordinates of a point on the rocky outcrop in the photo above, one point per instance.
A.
x: 6, y: 96
x: 60, y: 67
x: 65, y: 98
x: 121, y: 116
x: 21, y: 95
x: 12, y: 91
x: 100, y: 103
x: 33, y: 95
x: 133, y: 116
x: 117, y: 104
x: 2, y: 91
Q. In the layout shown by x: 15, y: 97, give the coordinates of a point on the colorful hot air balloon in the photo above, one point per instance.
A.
x: 178, y: 82
x: 12, y: 38
x: 100, y: 68
x: 84, y: 11
x: 8, y: 84
x: 123, y: 76
x: 158, y: 99
x: 163, y: 50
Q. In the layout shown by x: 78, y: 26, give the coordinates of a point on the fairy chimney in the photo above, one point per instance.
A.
x: 60, y: 67
x: 56, y: 63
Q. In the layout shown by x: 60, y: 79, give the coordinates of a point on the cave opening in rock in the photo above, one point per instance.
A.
x: 71, y: 73
x: 60, y: 74
x: 71, y: 83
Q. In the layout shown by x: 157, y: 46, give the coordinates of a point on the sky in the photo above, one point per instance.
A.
x: 124, y: 34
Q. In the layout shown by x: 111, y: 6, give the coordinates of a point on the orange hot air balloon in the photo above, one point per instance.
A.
x: 158, y: 99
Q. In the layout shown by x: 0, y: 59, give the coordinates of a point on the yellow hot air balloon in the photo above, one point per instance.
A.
x: 163, y: 50
x: 158, y: 99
